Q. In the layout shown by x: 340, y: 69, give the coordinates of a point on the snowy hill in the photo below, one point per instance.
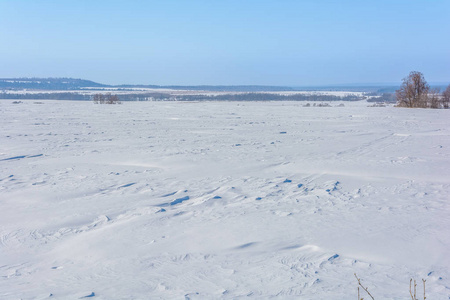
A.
x: 46, y: 83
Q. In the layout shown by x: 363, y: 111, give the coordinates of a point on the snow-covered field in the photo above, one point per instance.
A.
x: 168, y: 200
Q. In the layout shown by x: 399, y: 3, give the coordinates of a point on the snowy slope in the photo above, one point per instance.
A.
x: 167, y: 200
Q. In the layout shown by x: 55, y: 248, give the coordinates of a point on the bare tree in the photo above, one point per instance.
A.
x: 434, y: 101
x: 115, y: 99
x: 433, y: 97
x: 112, y: 99
x: 446, y: 97
x: 106, y: 99
x: 413, y: 91
x: 97, y: 98
x: 101, y: 98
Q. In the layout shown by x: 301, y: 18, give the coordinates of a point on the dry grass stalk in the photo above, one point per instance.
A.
x: 424, y: 297
x: 414, y: 296
x: 364, y: 288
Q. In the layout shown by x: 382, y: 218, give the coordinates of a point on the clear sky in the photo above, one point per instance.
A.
x: 277, y: 42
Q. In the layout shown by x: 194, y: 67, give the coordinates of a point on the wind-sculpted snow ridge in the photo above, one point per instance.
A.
x: 224, y: 200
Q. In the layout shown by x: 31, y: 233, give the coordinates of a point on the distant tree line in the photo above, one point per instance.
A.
x: 168, y: 97
x: 146, y: 97
x: 250, y: 96
x: 415, y: 92
x: 268, y: 97
x: 384, y: 97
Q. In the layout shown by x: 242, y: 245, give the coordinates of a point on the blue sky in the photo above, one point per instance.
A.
x: 282, y: 42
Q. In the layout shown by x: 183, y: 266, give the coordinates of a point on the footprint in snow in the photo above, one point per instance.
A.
x: 170, y: 194
x: 244, y: 246
x: 332, y: 258
x: 39, y: 183
x: 174, y: 202
x: 127, y: 185
x: 332, y: 186
x: 179, y: 200
x: 92, y: 294
x: 188, y: 296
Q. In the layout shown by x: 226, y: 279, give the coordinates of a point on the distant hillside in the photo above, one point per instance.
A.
x: 77, y: 84
x: 46, y: 84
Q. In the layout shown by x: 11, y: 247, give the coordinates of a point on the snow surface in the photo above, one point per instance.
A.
x: 169, y: 200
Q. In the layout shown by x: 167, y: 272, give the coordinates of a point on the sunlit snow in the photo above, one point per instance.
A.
x: 208, y: 200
